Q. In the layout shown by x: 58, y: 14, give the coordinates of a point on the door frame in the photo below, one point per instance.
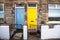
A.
x: 27, y: 12
x: 15, y: 11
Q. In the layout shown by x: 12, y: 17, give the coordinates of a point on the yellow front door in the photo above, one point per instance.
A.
x: 32, y: 17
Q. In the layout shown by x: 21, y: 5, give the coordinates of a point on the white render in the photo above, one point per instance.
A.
x: 4, y: 32
x: 53, y: 22
x: 25, y: 33
x: 51, y: 33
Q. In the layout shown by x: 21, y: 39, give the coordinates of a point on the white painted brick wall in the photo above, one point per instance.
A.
x: 4, y: 32
x: 52, y: 33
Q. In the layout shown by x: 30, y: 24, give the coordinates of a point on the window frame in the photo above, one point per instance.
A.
x: 32, y: 6
x: 3, y: 8
x: 2, y: 18
x: 19, y: 6
x: 56, y: 7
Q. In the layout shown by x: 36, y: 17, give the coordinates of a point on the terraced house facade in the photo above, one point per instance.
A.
x: 45, y: 10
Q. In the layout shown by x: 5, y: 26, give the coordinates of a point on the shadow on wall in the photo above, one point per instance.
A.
x: 42, y: 22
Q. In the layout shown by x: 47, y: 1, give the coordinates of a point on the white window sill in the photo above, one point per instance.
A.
x: 53, y: 22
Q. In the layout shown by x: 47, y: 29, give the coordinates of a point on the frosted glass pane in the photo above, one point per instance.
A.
x: 51, y: 6
x: 58, y: 6
x: 32, y: 5
x: 19, y: 5
x: 54, y: 13
x: 1, y: 7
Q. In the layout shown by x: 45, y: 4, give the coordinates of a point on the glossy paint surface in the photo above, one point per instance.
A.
x: 32, y: 17
x: 19, y: 17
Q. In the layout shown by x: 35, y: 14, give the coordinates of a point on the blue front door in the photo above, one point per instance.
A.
x: 19, y: 19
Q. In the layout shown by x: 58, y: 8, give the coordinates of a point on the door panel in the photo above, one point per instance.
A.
x: 20, y: 17
x: 32, y: 16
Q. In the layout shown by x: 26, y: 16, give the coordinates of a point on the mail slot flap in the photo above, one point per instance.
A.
x: 32, y: 21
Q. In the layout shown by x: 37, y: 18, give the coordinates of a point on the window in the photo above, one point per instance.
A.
x: 31, y: 5
x: 19, y: 5
x: 1, y: 13
x: 54, y: 12
x: 1, y: 7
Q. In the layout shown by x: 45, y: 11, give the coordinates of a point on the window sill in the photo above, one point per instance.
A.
x: 53, y: 22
